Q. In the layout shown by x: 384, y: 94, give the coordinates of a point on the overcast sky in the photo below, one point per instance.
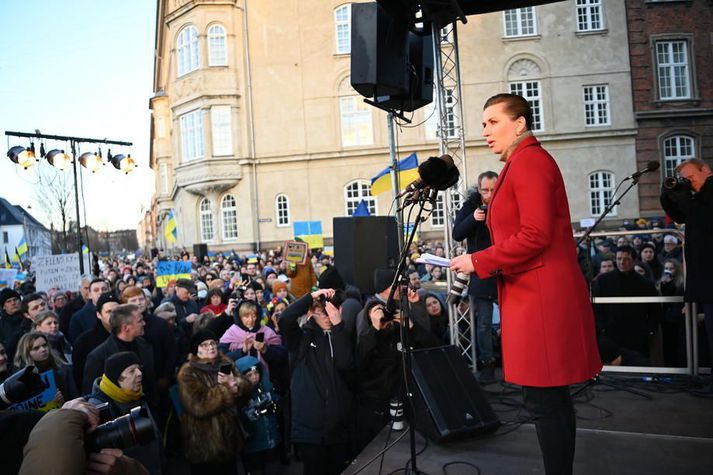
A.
x: 80, y: 68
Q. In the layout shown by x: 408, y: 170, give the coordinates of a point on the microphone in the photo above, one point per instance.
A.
x: 439, y: 173
x: 651, y: 166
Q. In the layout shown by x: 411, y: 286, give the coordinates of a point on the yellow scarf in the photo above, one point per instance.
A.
x: 122, y: 396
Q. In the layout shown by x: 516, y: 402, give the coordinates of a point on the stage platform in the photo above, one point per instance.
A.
x: 617, y: 433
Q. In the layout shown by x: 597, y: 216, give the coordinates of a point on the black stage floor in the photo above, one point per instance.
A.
x: 617, y: 433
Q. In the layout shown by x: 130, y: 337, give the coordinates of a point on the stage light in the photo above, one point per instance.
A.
x: 25, y: 157
x: 91, y: 161
x: 123, y: 162
x: 59, y: 159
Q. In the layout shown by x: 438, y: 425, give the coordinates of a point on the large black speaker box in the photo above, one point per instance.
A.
x: 379, y: 51
x: 449, y: 403
x: 200, y: 251
x: 362, y: 245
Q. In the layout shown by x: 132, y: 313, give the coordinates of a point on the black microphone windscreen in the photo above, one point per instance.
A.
x: 653, y: 165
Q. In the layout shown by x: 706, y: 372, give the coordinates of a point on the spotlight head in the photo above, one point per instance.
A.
x: 59, y: 159
x: 91, y: 161
x: 124, y: 163
x: 25, y: 157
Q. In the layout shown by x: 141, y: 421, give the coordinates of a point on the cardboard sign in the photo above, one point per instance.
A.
x: 59, y: 271
x: 43, y: 401
x: 295, y: 252
x: 171, y: 270
x: 7, y: 278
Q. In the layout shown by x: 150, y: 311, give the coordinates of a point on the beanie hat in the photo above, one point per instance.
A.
x: 330, y: 279
x: 277, y: 285
x: 117, y: 363
x: 246, y: 363
x: 200, y: 337
x: 6, y: 294
x: 383, y: 278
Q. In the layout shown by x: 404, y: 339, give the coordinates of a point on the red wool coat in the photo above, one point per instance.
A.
x: 548, y: 335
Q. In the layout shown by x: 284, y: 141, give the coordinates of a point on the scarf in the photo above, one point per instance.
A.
x: 122, y: 396
x: 506, y: 155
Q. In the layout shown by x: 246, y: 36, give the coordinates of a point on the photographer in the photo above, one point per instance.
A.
x: 470, y: 224
x: 321, y: 400
x: 690, y: 201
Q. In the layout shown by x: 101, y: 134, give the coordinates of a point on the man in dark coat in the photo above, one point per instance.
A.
x: 85, y: 318
x: 127, y: 328
x: 13, y: 323
x: 74, y: 305
x: 186, y: 308
x: 470, y: 225
x: 89, y: 340
x: 628, y: 325
x: 693, y: 205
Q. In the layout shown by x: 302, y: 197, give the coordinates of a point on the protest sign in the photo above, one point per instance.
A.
x: 296, y: 252
x: 171, y: 270
x: 7, y: 278
x: 43, y: 401
x: 59, y: 271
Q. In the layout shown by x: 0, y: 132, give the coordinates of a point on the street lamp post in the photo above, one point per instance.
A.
x: 73, y: 141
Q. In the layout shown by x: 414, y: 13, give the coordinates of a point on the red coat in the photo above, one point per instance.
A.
x: 548, y: 335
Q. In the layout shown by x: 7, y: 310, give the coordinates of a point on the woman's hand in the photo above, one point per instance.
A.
x: 334, y: 314
x: 328, y: 293
x: 229, y: 381
x: 248, y: 343
x: 260, y: 346
x: 58, y: 397
x: 462, y: 264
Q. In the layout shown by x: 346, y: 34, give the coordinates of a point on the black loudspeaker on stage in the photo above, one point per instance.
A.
x: 362, y: 245
x: 449, y: 403
x: 200, y: 251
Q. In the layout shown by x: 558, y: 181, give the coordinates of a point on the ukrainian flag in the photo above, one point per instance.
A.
x: 17, y: 257
x: 22, y: 247
x: 171, y: 230
x: 408, y: 172
x: 85, y: 249
x: 309, y: 232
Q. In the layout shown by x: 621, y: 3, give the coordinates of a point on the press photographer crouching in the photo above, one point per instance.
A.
x: 117, y: 393
x: 379, y: 364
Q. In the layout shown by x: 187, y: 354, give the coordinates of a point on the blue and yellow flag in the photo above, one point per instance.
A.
x: 17, y: 258
x: 408, y: 172
x: 22, y: 248
x: 309, y: 232
x: 171, y: 230
x: 85, y: 249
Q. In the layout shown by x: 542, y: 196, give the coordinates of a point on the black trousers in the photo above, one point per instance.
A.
x: 553, y: 412
x: 323, y: 459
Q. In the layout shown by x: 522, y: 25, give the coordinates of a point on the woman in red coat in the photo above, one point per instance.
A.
x: 548, y: 335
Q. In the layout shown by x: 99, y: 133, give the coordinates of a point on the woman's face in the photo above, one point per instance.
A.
x: 39, y: 350
x: 647, y: 254
x: 282, y: 293
x: 499, y: 129
x: 433, y: 306
x: 248, y: 319
x: 253, y: 376
x: 215, y: 300
x: 49, y: 325
x: 207, y: 350
x: 670, y: 267
x: 249, y: 294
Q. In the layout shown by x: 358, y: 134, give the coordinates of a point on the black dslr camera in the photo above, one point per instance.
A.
x: 129, y: 430
x: 675, y: 183
x: 337, y: 299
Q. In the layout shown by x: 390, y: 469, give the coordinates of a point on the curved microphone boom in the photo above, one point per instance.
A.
x: 651, y: 166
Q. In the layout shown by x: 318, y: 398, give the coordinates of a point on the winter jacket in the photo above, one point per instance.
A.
x: 236, y: 335
x: 259, y: 413
x: 85, y: 344
x: 12, y: 327
x: 82, y: 321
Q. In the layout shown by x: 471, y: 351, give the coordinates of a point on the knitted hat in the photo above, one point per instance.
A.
x: 6, y: 294
x: 200, y: 337
x: 246, y: 363
x: 383, y: 278
x: 278, y: 285
x: 330, y: 279
x: 117, y: 363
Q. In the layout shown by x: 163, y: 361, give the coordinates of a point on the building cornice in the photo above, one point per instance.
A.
x: 673, y: 113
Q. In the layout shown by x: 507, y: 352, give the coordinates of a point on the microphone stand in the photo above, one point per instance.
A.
x: 587, y: 236
x: 401, y: 282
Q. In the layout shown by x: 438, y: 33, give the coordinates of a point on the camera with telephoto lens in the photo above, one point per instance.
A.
x: 129, y: 430
x: 21, y: 386
x: 458, y: 286
x: 675, y: 183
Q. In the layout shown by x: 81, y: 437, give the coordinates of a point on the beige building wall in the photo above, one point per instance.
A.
x: 283, y: 83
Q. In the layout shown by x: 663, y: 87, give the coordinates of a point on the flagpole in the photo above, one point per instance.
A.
x: 395, y: 179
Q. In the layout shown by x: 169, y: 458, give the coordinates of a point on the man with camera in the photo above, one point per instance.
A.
x: 469, y: 225
x: 689, y: 200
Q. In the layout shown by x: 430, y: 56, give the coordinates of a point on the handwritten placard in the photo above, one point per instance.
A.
x: 296, y: 252
x: 59, y: 271
x: 171, y: 270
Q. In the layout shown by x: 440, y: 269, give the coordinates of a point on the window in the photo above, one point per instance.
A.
x: 206, y: 220
x: 282, y: 210
x: 589, y: 15
x: 356, y: 191
x: 221, y: 130
x: 343, y: 29
x: 530, y: 90
x: 676, y: 149
x: 596, y: 105
x: 192, y: 135
x: 520, y: 22
x: 672, y: 69
x: 432, y: 114
x: 230, y: 217
x: 601, y: 188
x: 355, y: 118
x: 163, y: 177
x: 5, y: 238
x: 217, y: 54
x: 438, y: 217
x: 189, y: 56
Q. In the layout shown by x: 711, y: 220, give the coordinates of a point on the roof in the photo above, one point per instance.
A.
x: 15, y: 214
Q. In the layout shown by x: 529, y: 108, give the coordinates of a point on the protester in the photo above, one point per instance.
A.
x: 91, y: 339
x: 33, y: 350
x: 12, y: 322
x: 84, y: 319
x: 47, y: 323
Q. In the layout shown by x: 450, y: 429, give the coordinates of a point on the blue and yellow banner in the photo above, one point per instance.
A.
x: 171, y: 270
x: 22, y: 247
x: 309, y: 232
x: 171, y: 230
x: 408, y: 172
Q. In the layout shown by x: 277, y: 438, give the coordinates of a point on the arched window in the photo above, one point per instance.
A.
x: 601, y: 189
x: 217, y: 49
x: 206, y: 214
x: 229, y: 211
x: 356, y: 191
x: 189, y: 56
x: 676, y: 149
x: 355, y: 117
x: 282, y: 210
x: 343, y: 29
